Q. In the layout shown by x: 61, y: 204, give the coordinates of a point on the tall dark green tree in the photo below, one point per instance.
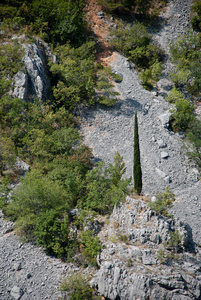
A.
x: 137, y: 172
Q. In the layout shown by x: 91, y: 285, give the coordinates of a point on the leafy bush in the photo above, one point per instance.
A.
x: 175, y: 241
x: 131, y: 38
x: 105, y: 187
x: 36, y: 195
x: 174, y: 95
x: 142, y: 8
x: 10, y: 63
x: 76, y: 287
x: 91, y: 246
x: 194, y: 136
x: 52, y: 232
x: 163, y: 202
x: 135, y: 42
x: 149, y: 75
x: 107, y: 95
x: 74, y: 75
x: 124, y: 239
x: 56, y: 21
x: 76, y: 78
x: 185, y: 51
x: 25, y: 226
x: 183, y: 114
x: 4, y: 191
x: 196, y: 19
x: 7, y: 153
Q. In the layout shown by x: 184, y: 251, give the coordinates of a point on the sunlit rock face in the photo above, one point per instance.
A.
x: 33, y: 81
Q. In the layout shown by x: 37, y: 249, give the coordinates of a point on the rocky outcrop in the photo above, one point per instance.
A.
x: 135, y: 264
x: 33, y: 82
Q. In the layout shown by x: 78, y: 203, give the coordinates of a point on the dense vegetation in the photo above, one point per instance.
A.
x: 56, y: 21
x: 196, y: 19
x: 142, y: 8
x: 135, y: 43
x: 185, y: 51
x: 186, y: 55
x: 61, y: 177
x: 45, y: 135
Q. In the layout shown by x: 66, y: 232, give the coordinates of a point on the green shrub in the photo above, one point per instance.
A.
x: 161, y: 255
x: 144, y: 9
x: 36, y: 195
x: 185, y: 51
x: 107, y: 95
x: 4, y: 191
x: 135, y: 42
x: 76, y: 287
x: 183, y: 114
x: 7, y: 154
x: 52, y: 232
x: 124, y: 239
x: 25, y: 226
x: 156, y: 69
x: 10, y: 63
x: 175, y: 241
x: 134, y: 39
x: 129, y: 263
x: 57, y: 21
x: 74, y: 75
x: 163, y: 202
x: 196, y: 19
x: 174, y: 95
x: 105, y: 187
x: 145, y: 77
x: 194, y: 137
x: 91, y: 246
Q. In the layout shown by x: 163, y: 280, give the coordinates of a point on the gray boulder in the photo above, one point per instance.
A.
x: 161, y: 144
x: 16, y: 292
x: 164, y: 155
x: 164, y: 119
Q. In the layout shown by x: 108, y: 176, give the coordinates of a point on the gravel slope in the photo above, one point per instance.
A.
x: 26, y: 272
x: 162, y: 157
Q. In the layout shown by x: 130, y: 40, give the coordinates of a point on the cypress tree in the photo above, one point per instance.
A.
x: 137, y: 172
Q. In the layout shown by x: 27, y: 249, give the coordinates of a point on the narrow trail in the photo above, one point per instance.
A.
x: 162, y: 157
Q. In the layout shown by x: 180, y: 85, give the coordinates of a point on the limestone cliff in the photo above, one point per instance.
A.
x: 33, y: 80
x: 138, y: 262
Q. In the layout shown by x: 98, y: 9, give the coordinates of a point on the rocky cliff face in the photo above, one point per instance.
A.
x: 33, y: 81
x: 136, y: 262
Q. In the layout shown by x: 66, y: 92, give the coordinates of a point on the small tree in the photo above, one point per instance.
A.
x: 137, y: 172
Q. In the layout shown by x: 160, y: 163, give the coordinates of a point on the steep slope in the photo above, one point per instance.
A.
x: 28, y: 273
x: 162, y: 157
